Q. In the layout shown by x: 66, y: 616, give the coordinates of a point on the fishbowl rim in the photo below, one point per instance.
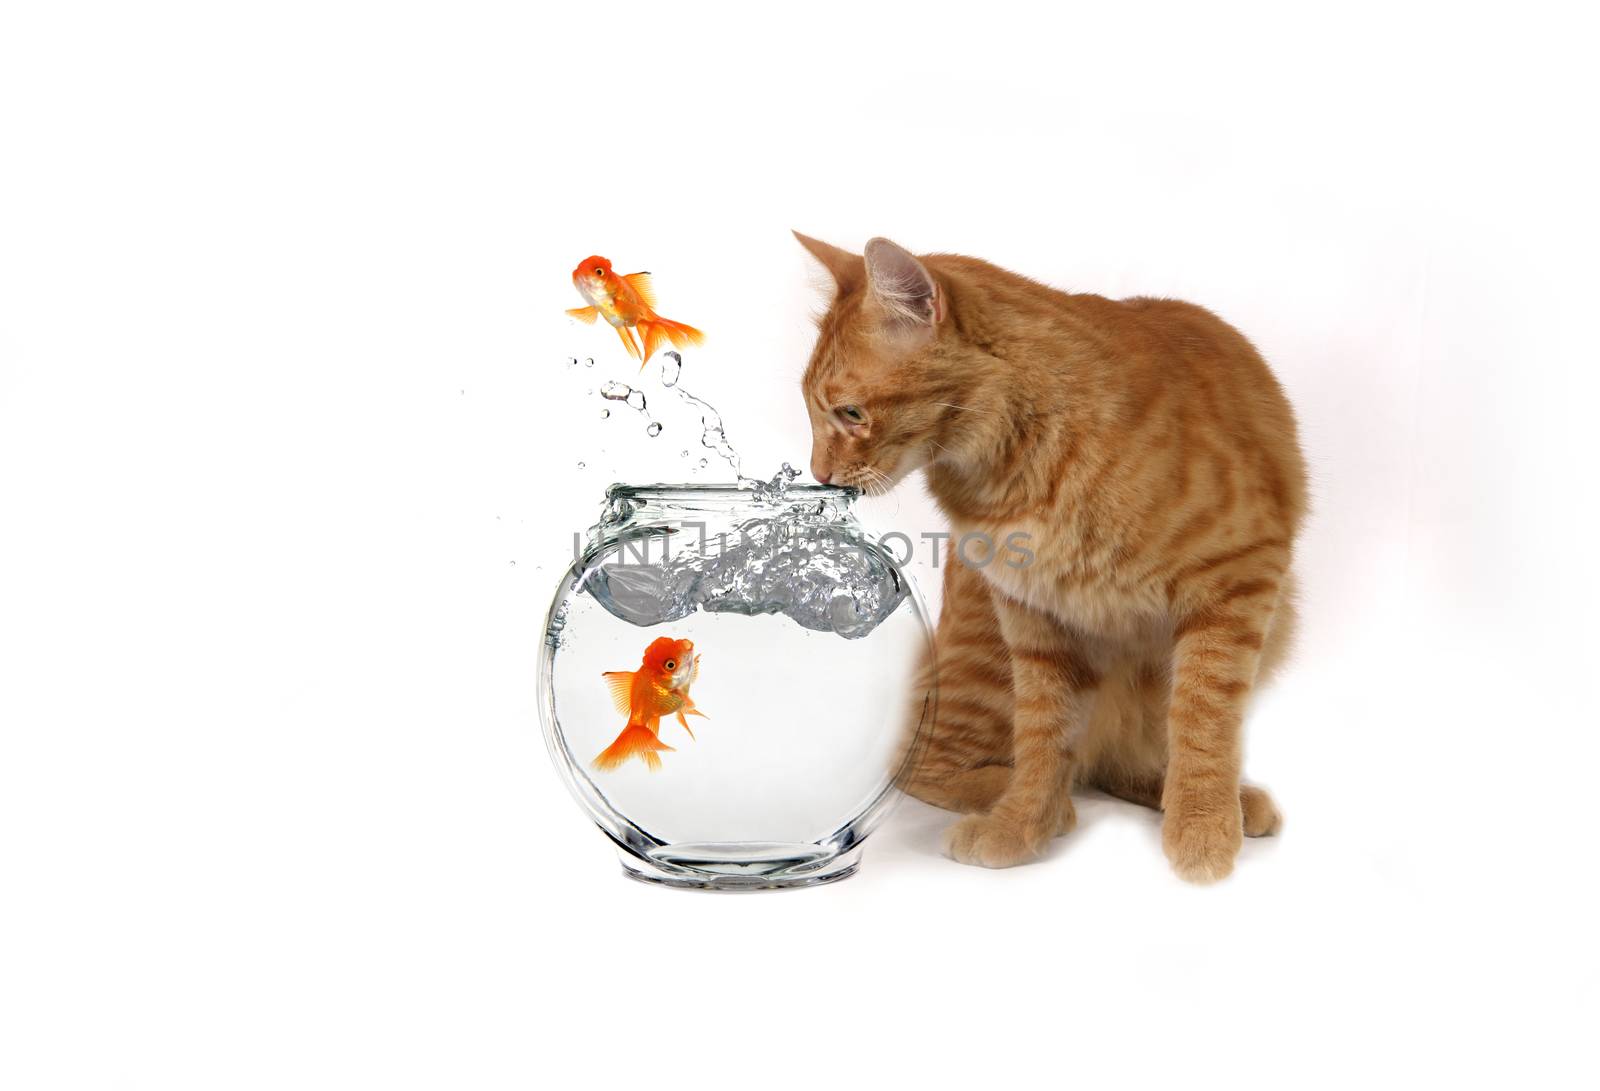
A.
x: 668, y: 492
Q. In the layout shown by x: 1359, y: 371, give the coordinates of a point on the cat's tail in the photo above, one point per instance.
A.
x: 658, y: 329
x: 636, y: 741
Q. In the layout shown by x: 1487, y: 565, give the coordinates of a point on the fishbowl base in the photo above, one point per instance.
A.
x: 740, y: 867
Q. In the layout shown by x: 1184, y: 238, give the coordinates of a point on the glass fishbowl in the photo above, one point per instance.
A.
x: 729, y: 683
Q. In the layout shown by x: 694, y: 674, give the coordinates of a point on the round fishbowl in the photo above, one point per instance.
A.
x: 729, y: 683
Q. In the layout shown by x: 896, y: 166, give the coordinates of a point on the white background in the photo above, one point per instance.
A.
x: 280, y: 335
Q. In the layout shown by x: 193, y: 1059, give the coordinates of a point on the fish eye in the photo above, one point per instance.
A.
x: 599, y: 272
x: 672, y: 664
x: 852, y: 413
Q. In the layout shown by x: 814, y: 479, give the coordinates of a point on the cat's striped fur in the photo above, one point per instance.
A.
x: 1150, y: 457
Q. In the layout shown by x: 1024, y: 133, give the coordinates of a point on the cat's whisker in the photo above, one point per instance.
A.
x: 963, y: 408
x: 888, y: 490
x: 877, y: 478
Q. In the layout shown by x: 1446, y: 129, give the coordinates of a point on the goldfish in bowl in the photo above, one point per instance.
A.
x: 660, y: 687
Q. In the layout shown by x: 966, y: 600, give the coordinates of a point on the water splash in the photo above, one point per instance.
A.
x: 776, y: 491
x: 713, y: 435
x: 713, y: 432
x: 634, y: 399
x: 813, y: 566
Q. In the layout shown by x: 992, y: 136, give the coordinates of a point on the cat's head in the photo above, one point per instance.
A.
x: 873, y: 388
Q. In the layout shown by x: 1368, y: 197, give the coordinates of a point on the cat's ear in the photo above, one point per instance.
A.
x: 847, y: 269
x: 911, y: 299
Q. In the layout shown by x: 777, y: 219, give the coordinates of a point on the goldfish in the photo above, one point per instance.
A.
x: 627, y: 302
x: 660, y: 687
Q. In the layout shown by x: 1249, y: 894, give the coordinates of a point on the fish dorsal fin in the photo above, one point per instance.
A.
x: 621, y: 685
x: 640, y: 283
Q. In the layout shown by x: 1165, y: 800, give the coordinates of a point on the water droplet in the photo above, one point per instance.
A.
x: 684, y: 453
x: 636, y: 400
x: 582, y: 466
x: 572, y: 361
x: 589, y: 362
x: 671, y: 368
x: 604, y: 413
x: 703, y: 463
x: 655, y: 428
x: 513, y: 564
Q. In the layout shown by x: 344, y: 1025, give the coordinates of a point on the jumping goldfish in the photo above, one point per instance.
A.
x: 660, y: 687
x: 627, y: 301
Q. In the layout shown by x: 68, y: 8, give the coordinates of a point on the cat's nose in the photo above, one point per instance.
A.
x: 820, y: 471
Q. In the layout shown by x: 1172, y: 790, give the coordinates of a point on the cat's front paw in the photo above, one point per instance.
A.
x: 1202, y: 844
x: 991, y: 841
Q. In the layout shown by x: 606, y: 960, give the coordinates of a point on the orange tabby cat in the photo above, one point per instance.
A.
x: 1150, y: 457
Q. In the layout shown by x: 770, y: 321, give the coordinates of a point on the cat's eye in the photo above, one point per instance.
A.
x: 672, y: 664
x: 852, y: 413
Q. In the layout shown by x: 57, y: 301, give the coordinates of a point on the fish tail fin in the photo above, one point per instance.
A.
x: 636, y: 741
x: 680, y: 334
x: 658, y: 329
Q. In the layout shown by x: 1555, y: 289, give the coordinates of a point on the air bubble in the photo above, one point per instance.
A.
x: 604, y: 413
x: 671, y: 368
x: 654, y: 429
x: 589, y: 362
